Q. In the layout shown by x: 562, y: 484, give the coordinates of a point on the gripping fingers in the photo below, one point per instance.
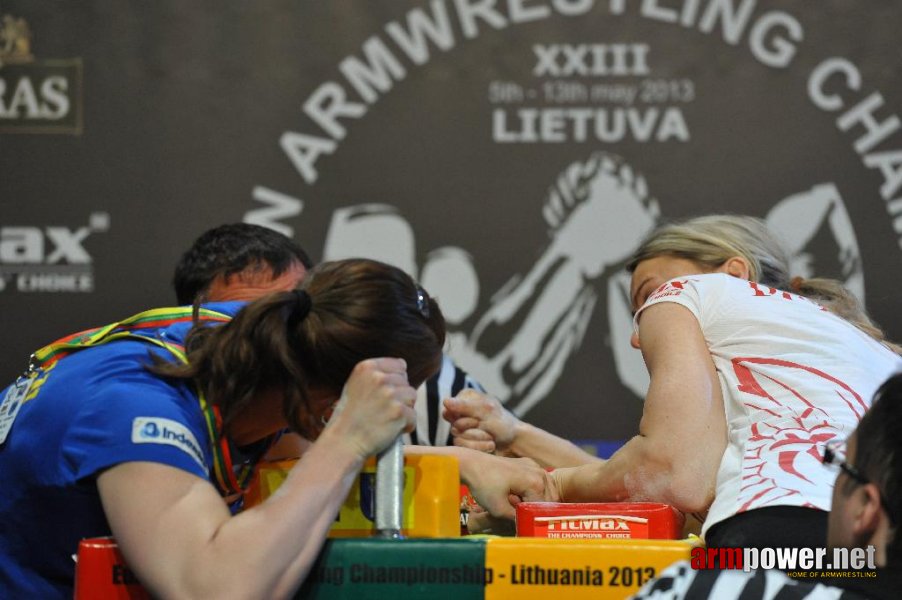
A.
x: 476, y: 435
x: 465, y: 423
x: 410, y: 416
x: 389, y: 365
x: 405, y: 398
x: 394, y: 379
x: 480, y: 446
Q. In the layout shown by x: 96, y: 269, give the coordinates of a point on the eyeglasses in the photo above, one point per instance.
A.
x: 835, y: 456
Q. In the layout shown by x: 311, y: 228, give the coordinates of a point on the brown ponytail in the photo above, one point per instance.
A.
x: 311, y: 338
x: 834, y: 296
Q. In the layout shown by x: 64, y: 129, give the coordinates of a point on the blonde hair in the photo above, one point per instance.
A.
x: 712, y: 240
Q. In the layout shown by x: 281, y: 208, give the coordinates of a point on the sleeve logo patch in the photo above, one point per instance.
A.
x: 157, y: 430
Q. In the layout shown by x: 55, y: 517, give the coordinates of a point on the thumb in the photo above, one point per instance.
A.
x: 529, y: 485
x: 449, y: 410
x: 461, y: 405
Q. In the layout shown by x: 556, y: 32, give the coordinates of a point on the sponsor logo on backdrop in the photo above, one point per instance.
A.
x: 36, y: 96
x: 591, y: 95
x: 49, y: 258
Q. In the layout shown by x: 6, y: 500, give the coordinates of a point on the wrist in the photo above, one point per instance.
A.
x: 467, y: 460
x: 343, y: 443
x: 556, y: 479
x: 519, y: 438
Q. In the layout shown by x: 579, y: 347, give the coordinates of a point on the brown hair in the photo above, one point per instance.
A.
x: 712, y: 240
x: 311, y: 338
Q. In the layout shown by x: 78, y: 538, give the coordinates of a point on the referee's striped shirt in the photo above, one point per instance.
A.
x: 432, y: 429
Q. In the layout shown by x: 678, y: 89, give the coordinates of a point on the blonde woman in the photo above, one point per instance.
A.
x: 752, y: 372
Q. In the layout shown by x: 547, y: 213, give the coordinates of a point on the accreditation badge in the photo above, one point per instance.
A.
x: 11, y: 404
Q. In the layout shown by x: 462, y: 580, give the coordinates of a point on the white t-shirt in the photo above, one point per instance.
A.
x: 793, y: 377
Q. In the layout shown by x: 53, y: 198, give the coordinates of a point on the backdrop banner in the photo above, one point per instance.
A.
x: 510, y: 154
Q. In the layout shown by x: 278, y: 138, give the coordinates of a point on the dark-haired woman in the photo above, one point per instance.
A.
x: 137, y: 430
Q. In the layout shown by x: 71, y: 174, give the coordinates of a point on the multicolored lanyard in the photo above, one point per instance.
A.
x: 150, y: 319
x: 229, y: 480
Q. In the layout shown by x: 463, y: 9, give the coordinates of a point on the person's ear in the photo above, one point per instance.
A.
x: 867, y: 513
x: 736, y: 266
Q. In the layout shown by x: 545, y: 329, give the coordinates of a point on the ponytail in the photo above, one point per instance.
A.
x: 835, y: 297
x: 254, y: 352
x: 311, y: 338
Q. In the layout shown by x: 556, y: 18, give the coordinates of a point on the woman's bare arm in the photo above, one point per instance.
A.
x: 178, y: 536
x: 683, y: 432
x: 480, y: 422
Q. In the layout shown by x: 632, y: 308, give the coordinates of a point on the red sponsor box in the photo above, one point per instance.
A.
x: 599, y: 520
x: 101, y: 574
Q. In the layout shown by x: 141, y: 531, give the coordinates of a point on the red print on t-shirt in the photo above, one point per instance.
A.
x: 671, y: 288
x: 766, y: 291
x: 788, y: 431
